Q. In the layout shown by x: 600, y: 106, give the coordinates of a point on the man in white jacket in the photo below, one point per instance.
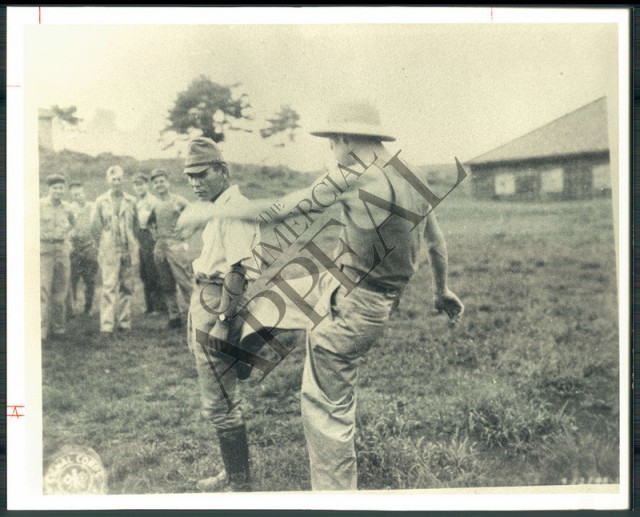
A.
x: 113, y: 226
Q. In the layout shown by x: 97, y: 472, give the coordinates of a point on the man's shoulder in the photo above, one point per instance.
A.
x: 128, y: 197
x: 236, y: 195
x: 102, y: 198
x: 149, y: 201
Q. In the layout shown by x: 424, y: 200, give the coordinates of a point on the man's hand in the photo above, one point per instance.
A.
x: 449, y: 303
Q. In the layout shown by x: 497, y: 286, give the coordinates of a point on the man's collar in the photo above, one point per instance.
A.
x: 226, y: 195
x: 50, y: 201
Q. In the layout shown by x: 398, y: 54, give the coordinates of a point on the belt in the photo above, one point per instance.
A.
x: 372, y: 284
x: 52, y: 241
x: 202, y: 279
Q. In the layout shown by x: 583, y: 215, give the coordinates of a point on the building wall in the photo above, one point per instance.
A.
x: 553, y: 180
x: 45, y: 132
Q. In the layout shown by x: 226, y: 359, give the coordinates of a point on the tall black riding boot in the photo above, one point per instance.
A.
x: 235, y: 477
x: 235, y: 455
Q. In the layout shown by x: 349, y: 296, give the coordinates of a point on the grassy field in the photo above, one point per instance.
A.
x: 524, y: 391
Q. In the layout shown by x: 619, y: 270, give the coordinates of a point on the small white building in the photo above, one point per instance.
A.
x: 45, y: 129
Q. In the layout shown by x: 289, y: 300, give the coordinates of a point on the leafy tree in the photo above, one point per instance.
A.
x: 209, y: 109
x: 66, y: 115
x: 285, y: 120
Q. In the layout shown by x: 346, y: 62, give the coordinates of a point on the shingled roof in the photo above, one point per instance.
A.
x: 581, y: 131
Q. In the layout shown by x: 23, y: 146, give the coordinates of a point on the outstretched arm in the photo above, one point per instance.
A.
x: 315, y: 196
x: 443, y: 299
x: 197, y: 214
x: 319, y: 195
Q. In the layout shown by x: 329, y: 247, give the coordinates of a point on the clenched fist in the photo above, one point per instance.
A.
x: 450, y: 304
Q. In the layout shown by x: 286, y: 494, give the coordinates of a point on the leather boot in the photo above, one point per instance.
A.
x: 235, y: 456
x: 236, y: 475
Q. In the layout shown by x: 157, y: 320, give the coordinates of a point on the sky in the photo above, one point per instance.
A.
x: 444, y: 90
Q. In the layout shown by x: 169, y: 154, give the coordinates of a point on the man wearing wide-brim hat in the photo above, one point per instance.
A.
x: 386, y: 220
x: 56, y: 224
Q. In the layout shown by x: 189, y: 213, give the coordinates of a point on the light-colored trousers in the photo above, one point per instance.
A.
x: 55, y: 274
x: 174, y: 267
x: 334, y: 350
x: 117, y: 288
x: 217, y: 385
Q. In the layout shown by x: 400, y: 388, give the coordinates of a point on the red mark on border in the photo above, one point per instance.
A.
x: 39, y: 14
x: 492, y: 14
x: 15, y: 413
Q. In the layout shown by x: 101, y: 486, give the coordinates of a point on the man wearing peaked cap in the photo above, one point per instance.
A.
x: 112, y: 223
x: 145, y: 233
x: 56, y: 178
x: 202, y: 153
x: 170, y: 253
x: 220, y: 278
x: 84, y: 255
x: 56, y: 224
x: 387, y: 218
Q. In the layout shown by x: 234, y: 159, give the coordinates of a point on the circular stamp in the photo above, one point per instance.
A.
x: 75, y: 470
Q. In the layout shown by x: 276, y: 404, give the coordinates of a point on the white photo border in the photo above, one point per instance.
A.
x: 24, y: 436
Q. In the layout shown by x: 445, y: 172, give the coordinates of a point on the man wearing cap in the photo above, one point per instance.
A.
x: 84, y: 256
x: 145, y: 233
x: 113, y: 223
x: 220, y: 277
x: 56, y: 225
x: 386, y: 220
x: 170, y: 253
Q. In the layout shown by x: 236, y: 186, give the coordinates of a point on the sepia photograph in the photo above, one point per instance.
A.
x: 318, y: 258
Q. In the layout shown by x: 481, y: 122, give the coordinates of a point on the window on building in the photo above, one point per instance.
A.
x: 601, y: 178
x: 552, y: 180
x: 505, y: 183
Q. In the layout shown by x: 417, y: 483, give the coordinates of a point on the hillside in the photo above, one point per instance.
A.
x: 256, y: 181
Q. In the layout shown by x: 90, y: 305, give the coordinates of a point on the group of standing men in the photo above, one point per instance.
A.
x: 113, y: 235
x: 357, y: 293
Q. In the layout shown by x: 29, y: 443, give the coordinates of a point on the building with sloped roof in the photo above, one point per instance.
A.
x: 45, y: 128
x: 567, y: 158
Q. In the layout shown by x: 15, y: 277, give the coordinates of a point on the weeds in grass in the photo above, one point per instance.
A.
x: 577, y: 458
x: 523, y: 391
